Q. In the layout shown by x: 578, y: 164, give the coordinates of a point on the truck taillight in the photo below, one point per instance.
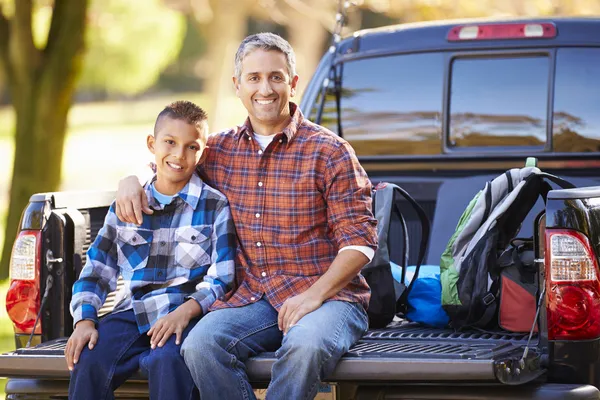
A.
x: 23, y: 296
x: 546, y: 30
x: 572, y: 287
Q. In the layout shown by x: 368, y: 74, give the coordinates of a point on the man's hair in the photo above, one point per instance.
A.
x: 265, y: 41
x: 186, y: 111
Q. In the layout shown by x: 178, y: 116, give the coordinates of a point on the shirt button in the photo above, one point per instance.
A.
x: 280, y: 140
x: 249, y: 138
x: 162, y: 243
x: 160, y: 273
x: 252, y: 298
x: 260, y: 183
x: 260, y: 152
x: 264, y: 274
x: 257, y: 215
x: 258, y: 244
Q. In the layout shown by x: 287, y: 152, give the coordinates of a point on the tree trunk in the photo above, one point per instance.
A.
x: 224, y: 33
x: 42, y: 88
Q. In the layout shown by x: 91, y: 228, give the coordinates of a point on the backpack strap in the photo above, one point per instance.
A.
x: 401, y: 304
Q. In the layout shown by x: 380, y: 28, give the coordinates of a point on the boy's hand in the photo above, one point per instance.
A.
x: 131, y: 201
x: 173, y: 323
x: 85, y: 333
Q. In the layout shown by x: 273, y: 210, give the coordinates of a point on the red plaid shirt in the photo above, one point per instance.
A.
x: 294, y: 206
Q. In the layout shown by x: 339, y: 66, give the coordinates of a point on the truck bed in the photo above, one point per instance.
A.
x: 401, y: 352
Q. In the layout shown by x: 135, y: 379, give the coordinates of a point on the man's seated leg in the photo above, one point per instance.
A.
x: 216, y: 348
x: 114, y: 358
x: 312, y: 348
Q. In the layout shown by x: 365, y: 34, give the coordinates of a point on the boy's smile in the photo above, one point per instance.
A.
x: 177, y: 146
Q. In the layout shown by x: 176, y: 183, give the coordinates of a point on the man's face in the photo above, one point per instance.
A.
x: 177, y: 147
x: 265, y: 88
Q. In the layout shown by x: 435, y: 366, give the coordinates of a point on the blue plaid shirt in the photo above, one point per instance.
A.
x: 184, y: 250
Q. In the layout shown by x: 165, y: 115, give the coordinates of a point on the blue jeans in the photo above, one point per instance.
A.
x: 216, y: 349
x: 120, y: 351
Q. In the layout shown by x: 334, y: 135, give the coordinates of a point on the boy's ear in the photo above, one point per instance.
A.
x: 150, y: 142
x: 203, y: 156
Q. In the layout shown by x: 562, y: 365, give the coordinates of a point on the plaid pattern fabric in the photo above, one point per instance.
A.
x: 184, y: 250
x: 294, y: 206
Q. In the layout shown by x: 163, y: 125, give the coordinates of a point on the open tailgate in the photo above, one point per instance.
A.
x: 406, y: 352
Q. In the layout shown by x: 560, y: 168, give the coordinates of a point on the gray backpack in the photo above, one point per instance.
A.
x: 388, y: 297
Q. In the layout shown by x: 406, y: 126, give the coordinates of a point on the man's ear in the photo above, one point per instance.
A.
x: 293, y: 84
x: 150, y: 143
x: 236, y: 86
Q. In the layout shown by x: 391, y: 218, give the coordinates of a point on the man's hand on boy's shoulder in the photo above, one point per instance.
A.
x: 131, y: 201
x: 174, y: 323
x: 85, y: 333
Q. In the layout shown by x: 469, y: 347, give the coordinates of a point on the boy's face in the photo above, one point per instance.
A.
x: 177, y: 147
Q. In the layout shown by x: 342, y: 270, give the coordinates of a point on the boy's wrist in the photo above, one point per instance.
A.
x: 85, y: 322
x: 191, y: 309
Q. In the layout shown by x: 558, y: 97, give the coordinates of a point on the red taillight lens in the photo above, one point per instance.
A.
x: 572, y: 287
x: 23, y: 296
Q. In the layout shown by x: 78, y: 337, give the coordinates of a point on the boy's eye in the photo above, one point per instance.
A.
x: 169, y: 141
x: 193, y: 147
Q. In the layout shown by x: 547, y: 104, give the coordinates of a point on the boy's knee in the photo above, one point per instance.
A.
x: 161, y: 358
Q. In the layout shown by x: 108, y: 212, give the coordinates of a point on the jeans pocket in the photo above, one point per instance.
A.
x: 133, y: 248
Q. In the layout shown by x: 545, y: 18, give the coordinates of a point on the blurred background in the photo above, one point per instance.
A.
x: 81, y: 82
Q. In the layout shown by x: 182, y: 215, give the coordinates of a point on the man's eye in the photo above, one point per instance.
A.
x: 253, y: 78
x: 277, y: 78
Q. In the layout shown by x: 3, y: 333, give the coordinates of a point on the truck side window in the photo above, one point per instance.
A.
x: 576, y: 123
x: 499, y: 102
x: 392, y: 105
x: 329, y: 117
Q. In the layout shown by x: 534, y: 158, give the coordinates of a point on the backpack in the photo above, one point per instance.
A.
x: 470, y: 272
x: 388, y: 297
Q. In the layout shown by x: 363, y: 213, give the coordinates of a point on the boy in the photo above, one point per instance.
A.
x: 174, y: 266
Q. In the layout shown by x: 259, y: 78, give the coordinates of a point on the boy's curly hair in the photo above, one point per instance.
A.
x: 185, y: 111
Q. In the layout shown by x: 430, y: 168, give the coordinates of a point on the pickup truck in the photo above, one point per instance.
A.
x: 439, y: 109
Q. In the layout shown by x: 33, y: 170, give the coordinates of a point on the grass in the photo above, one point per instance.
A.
x: 105, y: 142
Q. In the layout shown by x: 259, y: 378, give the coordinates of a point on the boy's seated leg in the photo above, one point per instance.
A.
x: 312, y: 348
x: 168, y: 376
x: 114, y: 358
x: 217, y: 347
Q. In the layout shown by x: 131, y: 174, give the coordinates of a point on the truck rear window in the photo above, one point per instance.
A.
x: 576, y: 124
x: 389, y: 105
x: 498, y: 102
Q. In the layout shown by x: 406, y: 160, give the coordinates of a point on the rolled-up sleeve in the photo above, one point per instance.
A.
x: 348, y: 196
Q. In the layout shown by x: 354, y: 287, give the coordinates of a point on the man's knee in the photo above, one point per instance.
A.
x: 200, y: 342
x: 304, y: 343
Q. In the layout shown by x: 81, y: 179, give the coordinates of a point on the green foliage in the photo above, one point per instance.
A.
x: 129, y: 44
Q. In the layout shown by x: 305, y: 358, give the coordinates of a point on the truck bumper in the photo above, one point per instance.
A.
x: 531, y: 391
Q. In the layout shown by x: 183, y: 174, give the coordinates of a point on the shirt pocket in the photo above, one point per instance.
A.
x: 133, y: 248
x: 193, y: 247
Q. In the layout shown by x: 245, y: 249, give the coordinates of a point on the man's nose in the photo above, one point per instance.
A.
x: 265, y: 88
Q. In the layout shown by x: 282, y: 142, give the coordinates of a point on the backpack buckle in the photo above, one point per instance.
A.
x: 488, y: 299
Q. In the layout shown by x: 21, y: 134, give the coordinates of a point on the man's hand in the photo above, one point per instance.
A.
x: 85, y: 333
x: 173, y: 323
x: 131, y: 201
x: 295, y: 308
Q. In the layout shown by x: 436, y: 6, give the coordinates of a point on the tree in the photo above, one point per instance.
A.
x: 41, y: 82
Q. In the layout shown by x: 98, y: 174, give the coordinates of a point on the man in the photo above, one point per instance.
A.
x: 301, y: 206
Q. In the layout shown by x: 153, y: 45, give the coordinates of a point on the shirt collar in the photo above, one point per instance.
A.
x: 289, y: 131
x: 190, y: 192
